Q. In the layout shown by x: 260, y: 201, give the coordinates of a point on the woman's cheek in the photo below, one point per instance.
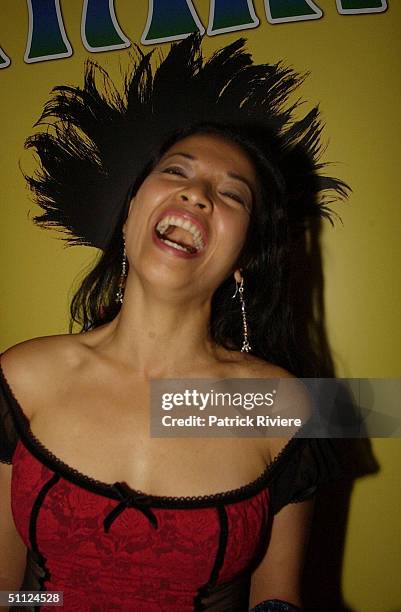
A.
x: 238, y: 232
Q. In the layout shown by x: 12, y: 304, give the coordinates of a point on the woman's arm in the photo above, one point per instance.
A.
x: 12, y: 549
x: 278, y: 577
x: 279, y: 574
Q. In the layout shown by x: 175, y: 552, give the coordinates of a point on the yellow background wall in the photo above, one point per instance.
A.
x: 354, y: 66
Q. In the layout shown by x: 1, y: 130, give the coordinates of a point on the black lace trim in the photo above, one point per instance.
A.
x: 45, y: 456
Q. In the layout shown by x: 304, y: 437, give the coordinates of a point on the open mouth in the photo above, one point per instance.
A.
x: 180, y: 234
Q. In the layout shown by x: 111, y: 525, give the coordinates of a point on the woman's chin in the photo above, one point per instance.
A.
x: 167, y: 276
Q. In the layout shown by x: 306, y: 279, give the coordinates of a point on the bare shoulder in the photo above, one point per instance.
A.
x: 264, y: 369
x: 31, y: 356
x: 292, y: 391
x: 249, y: 366
x: 293, y: 400
x: 32, y: 366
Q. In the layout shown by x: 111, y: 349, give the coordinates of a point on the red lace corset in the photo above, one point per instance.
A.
x: 108, y: 547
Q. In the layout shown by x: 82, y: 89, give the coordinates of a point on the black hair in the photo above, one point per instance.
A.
x: 95, y: 141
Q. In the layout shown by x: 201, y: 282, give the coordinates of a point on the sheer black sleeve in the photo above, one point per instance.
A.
x: 306, y: 464
x: 8, y: 433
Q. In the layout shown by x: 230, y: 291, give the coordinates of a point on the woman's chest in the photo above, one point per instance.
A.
x: 121, y: 535
x: 106, y: 434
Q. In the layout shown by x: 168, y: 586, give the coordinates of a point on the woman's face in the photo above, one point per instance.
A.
x: 188, y: 221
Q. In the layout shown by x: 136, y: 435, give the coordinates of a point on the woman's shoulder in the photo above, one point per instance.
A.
x: 291, y: 388
x: 250, y: 367
x: 293, y: 399
x: 243, y: 365
x: 33, y: 366
x: 34, y: 354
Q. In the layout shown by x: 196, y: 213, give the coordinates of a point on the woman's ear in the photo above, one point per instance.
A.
x: 238, y: 275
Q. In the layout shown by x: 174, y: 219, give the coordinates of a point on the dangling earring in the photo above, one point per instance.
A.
x: 239, y: 288
x: 121, y: 284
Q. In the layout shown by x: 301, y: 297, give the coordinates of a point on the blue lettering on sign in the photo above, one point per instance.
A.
x: 170, y: 20
x: 284, y: 11
x: 231, y: 16
x: 100, y: 30
x: 167, y: 20
x: 355, y: 7
x: 4, y: 59
x: 47, y: 39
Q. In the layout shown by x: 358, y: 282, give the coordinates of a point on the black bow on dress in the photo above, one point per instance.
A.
x: 129, y: 499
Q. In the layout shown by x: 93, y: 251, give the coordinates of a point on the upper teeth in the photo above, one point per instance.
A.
x: 186, y: 225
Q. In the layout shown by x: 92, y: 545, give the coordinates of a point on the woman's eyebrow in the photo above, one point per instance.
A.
x: 233, y: 175
x: 187, y: 155
x: 238, y: 177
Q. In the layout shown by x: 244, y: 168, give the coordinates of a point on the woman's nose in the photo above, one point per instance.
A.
x: 197, y: 196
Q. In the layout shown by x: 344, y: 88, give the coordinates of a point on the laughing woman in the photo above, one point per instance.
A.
x: 193, y: 183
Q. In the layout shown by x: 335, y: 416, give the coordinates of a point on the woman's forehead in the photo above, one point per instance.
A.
x: 216, y: 147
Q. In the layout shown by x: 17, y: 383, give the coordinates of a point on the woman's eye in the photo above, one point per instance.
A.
x: 236, y: 197
x: 174, y: 170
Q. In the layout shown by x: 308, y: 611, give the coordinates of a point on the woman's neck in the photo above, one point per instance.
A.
x: 160, y: 336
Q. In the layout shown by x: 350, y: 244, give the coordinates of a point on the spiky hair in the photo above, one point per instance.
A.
x: 95, y: 140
